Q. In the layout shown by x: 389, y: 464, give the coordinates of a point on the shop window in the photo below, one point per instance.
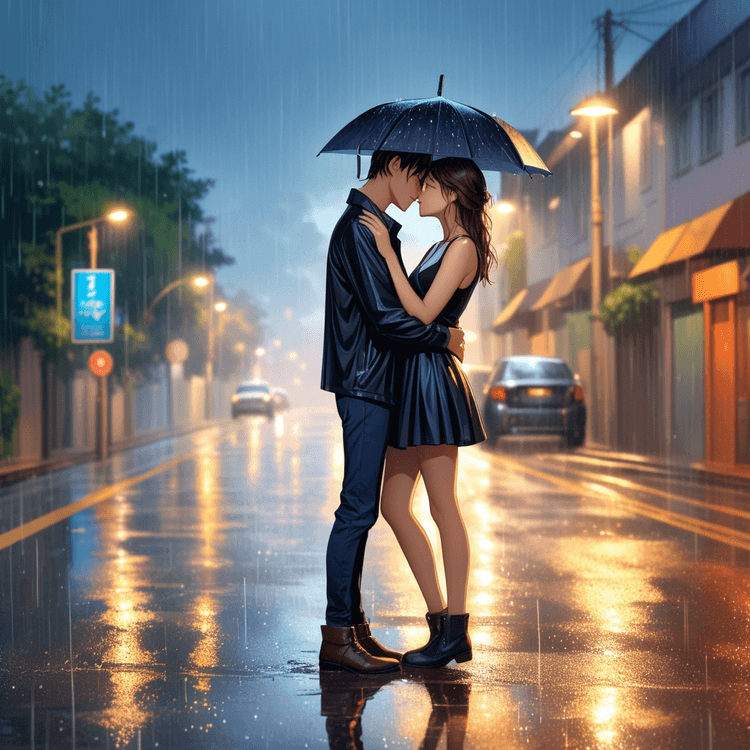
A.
x: 682, y: 141
x: 710, y: 124
x: 645, y: 153
x: 743, y: 104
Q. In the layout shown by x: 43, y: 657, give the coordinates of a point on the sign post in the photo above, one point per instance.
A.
x: 100, y: 364
x: 176, y: 352
x: 92, y: 321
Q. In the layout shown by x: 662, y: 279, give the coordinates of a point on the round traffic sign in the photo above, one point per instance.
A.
x: 100, y: 363
x: 177, y: 351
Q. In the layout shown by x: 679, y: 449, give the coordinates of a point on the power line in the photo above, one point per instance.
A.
x: 564, y: 69
x: 647, y: 9
x: 648, y: 23
x: 650, y: 41
x: 553, y: 110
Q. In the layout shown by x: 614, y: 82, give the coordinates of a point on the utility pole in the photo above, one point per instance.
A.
x: 609, y: 53
x: 608, y: 432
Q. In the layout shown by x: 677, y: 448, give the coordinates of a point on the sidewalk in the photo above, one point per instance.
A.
x: 734, y: 474
x: 16, y: 469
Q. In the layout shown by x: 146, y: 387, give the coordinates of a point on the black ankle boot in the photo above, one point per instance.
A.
x: 433, y: 623
x: 452, y: 642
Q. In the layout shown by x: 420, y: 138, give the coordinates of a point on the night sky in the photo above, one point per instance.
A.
x: 253, y: 89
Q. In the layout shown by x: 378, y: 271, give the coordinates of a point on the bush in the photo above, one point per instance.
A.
x: 627, y: 305
x: 10, y: 409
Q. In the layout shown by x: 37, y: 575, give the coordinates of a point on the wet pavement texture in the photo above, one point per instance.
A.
x: 172, y: 595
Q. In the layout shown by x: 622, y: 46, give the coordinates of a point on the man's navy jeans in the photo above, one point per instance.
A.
x: 365, y: 426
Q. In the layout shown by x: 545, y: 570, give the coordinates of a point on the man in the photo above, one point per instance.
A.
x: 364, y: 320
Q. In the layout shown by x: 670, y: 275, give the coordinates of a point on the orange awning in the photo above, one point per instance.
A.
x: 725, y: 227
x: 509, y: 310
x: 656, y: 256
x: 564, y: 283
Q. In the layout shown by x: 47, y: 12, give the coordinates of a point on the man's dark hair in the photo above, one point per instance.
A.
x: 412, y: 163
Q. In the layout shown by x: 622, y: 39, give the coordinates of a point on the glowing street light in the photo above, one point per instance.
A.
x: 576, y: 134
x: 220, y: 306
x: 504, y: 207
x: 118, y: 215
x: 594, y: 107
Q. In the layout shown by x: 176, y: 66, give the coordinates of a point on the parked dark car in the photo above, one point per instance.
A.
x: 534, y: 396
x: 252, y: 397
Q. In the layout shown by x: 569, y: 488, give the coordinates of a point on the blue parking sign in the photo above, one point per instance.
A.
x: 91, y: 307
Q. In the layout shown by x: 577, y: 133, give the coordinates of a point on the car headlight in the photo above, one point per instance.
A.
x: 266, y: 397
x: 235, y: 398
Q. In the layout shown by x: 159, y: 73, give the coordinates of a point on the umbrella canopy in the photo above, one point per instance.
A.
x: 439, y: 127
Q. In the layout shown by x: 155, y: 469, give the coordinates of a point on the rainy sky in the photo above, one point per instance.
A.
x: 252, y: 90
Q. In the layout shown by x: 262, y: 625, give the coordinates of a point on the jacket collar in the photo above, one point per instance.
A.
x: 358, y: 198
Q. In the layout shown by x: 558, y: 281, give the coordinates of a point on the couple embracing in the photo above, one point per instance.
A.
x: 392, y: 356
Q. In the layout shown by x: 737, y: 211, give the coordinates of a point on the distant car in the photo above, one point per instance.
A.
x: 252, y: 397
x: 534, y: 395
x: 280, y: 399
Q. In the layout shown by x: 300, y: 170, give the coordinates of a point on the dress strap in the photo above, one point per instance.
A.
x: 479, y: 259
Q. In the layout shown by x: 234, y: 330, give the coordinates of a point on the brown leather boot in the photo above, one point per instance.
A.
x: 341, y: 650
x: 369, y: 644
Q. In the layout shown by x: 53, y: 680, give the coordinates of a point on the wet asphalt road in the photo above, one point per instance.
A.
x: 177, y: 604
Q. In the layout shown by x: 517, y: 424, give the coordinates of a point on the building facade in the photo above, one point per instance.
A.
x: 673, y: 175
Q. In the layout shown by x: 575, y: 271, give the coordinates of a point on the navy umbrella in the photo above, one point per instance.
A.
x: 439, y: 127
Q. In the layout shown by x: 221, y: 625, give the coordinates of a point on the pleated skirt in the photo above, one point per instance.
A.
x: 436, y: 404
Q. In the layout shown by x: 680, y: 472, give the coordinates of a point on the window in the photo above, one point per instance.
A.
x: 645, y: 153
x: 743, y: 104
x: 682, y: 141
x: 532, y: 369
x: 710, y: 124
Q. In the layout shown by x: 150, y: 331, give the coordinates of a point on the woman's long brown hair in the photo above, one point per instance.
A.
x: 466, y: 180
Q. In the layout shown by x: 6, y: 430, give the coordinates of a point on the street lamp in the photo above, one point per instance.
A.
x: 200, y: 281
x: 117, y: 216
x: 593, y: 107
x: 210, y: 282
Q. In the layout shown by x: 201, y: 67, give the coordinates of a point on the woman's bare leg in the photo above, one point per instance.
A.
x: 399, y: 481
x: 438, y: 465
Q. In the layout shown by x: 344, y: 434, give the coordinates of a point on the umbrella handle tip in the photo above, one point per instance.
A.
x: 440, y: 85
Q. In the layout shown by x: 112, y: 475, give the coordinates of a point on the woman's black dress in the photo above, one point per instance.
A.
x: 436, y: 405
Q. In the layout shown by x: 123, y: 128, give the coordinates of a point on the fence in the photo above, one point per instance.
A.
x: 166, y: 400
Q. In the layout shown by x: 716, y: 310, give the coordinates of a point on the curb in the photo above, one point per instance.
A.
x: 9, y: 475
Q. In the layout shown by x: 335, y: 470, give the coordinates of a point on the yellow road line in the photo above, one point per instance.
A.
x: 105, y: 493
x: 687, y: 523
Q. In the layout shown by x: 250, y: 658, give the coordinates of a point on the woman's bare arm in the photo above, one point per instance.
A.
x: 457, y: 267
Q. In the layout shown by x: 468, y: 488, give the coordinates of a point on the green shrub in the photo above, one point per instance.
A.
x: 627, y: 305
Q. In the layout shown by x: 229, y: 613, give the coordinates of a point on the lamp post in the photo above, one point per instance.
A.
x: 594, y: 107
x: 117, y: 216
x: 201, y: 282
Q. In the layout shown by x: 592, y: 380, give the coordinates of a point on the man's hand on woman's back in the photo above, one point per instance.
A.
x: 456, y: 343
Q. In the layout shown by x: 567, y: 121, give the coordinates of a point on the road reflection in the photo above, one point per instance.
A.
x: 343, y: 698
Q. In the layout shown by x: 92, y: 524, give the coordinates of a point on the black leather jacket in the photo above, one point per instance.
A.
x: 364, y: 320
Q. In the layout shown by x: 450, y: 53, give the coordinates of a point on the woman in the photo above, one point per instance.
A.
x: 437, y: 410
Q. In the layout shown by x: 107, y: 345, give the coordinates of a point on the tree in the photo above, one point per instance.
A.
x: 66, y: 164
x: 514, y: 261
